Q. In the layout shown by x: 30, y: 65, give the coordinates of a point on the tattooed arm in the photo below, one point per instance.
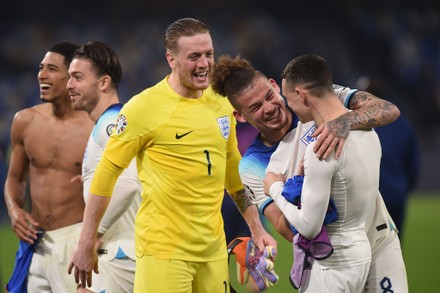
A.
x: 369, y: 111
x: 252, y: 217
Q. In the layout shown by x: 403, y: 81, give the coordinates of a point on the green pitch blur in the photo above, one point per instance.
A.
x: 420, y: 249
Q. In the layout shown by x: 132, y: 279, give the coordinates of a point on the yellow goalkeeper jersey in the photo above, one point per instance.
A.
x: 187, y: 154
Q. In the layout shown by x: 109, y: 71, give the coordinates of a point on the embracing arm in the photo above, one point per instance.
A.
x: 308, y: 221
x: 314, y: 197
x: 369, y: 111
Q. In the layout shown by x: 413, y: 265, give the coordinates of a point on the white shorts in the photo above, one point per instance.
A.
x: 387, y: 272
x: 48, y: 270
x: 115, y: 275
x: 343, y: 279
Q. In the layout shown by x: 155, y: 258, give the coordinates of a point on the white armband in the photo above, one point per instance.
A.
x: 344, y: 93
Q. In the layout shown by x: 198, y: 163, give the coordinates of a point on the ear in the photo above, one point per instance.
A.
x: 275, y: 85
x: 105, y: 82
x: 302, y: 94
x: 239, y: 117
x: 170, y: 59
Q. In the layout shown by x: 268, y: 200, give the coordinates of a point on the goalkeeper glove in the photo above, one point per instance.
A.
x: 253, y: 261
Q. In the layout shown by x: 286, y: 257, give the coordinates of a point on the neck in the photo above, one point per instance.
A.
x: 326, y: 108
x: 105, y: 101
x: 179, y: 88
x: 270, y: 138
x: 62, y: 108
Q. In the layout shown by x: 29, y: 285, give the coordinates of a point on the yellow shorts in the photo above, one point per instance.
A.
x: 177, y: 276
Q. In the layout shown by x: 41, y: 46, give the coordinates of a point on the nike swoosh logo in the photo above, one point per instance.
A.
x: 182, y: 135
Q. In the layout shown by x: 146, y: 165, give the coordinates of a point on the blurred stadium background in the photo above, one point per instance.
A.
x: 393, y: 43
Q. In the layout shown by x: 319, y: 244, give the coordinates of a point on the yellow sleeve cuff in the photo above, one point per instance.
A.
x: 104, y: 180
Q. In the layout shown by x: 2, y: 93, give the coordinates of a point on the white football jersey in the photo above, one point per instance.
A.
x: 118, y: 221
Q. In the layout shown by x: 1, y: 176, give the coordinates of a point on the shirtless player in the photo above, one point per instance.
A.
x: 48, y: 142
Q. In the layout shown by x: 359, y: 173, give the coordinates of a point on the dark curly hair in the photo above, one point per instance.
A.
x: 230, y: 76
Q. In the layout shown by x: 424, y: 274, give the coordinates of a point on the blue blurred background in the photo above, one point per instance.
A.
x: 391, y: 48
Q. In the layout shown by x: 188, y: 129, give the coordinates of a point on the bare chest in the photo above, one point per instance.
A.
x: 58, y: 145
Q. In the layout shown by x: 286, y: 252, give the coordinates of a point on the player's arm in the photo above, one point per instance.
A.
x: 314, y: 198
x: 126, y: 187
x: 123, y: 195
x: 255, y: 193
x: 252, y: 173
x: 234, y: 187
x: 84, y: 260
x: 252, y: 217
x: 15, y: 185
x: 279, y: 221
x: 369, y: 111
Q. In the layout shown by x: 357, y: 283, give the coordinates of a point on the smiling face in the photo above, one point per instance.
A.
x: 262, y: 105
x: 52, y: 77
x: 83, y: 85
x: 191, y: 64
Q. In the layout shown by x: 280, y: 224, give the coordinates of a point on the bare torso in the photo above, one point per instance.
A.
x: 55, y: 149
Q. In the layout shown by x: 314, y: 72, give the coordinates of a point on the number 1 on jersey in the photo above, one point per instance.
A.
x: 209, y: 161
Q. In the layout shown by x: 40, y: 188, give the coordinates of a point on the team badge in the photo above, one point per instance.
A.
x: 307, y: 137
x: 225, y: 126
x: 121, y: 124
x: 110, y: 128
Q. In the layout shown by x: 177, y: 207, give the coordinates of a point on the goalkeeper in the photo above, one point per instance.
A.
x: 184, y: 166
